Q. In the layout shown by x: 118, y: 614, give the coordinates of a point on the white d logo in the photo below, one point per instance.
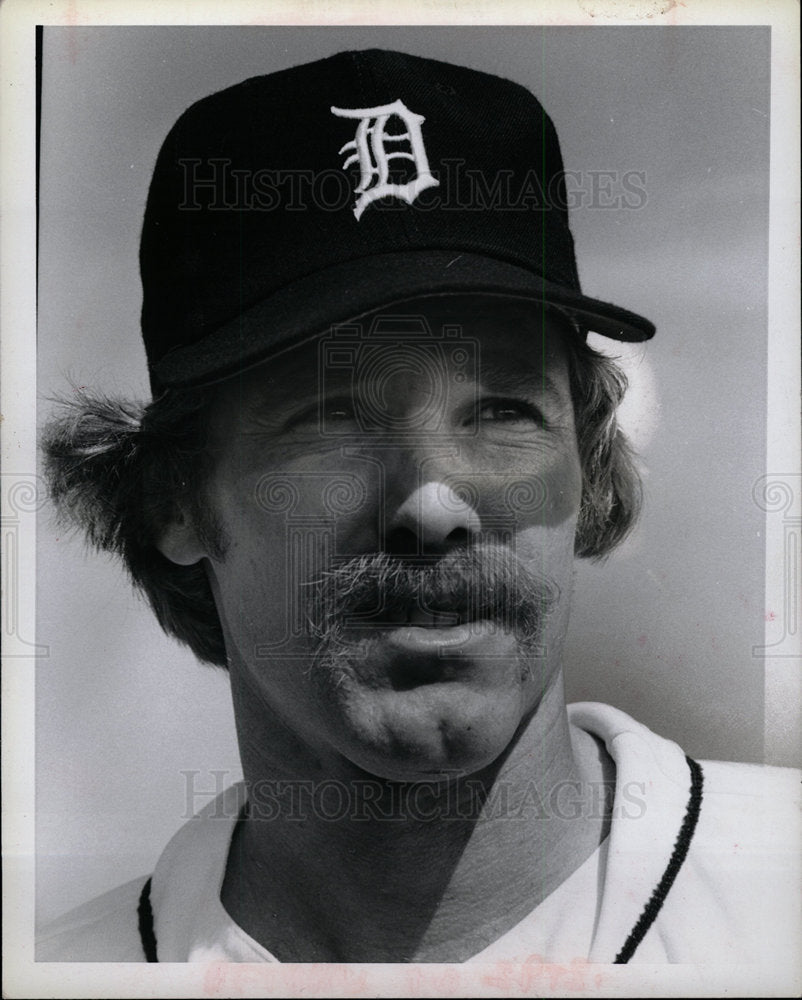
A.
x: 371, y: 153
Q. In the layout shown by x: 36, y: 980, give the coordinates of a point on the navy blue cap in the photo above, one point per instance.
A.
x: 308, y: 197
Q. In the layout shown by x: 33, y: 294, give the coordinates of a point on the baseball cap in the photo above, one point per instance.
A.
x: 305, y: 198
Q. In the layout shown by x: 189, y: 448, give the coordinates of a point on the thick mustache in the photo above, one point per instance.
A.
x: 467, y: 584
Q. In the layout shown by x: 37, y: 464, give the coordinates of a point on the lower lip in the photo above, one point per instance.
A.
x: 413, y: 638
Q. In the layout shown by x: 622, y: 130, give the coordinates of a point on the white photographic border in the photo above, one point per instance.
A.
x: 23, y: 978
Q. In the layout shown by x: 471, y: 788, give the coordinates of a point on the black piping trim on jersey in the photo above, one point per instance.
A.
x: 678, y: 855
x: 638, y: 932
x: 146, y: 933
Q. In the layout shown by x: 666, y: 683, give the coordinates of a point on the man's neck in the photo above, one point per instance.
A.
x: 362, y: 870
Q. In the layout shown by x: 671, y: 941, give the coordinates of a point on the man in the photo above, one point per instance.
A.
x: 377, y: 442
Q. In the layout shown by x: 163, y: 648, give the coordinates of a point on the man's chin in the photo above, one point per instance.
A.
x: 434, y: 732
x: 423, y: 703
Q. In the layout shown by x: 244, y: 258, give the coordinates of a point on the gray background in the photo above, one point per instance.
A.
x: 664, y: 629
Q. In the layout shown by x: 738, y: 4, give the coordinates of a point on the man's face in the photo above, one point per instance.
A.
x: 398, y: 502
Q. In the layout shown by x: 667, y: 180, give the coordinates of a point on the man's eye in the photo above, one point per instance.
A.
x: 339, y: 412
x: 318, y: 417
x: 508, y: 411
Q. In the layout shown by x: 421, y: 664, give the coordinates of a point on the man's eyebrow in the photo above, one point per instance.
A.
x: 524, y: 377
x: 299, y: 384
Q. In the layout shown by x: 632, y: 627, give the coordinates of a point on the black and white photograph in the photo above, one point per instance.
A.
x: 413, y: 490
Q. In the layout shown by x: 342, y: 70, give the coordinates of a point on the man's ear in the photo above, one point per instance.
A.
x: 179, y: 542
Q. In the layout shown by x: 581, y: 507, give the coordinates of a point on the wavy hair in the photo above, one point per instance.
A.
x: 122, y: 471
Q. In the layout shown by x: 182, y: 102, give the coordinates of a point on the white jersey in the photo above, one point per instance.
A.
x: 662, y: 887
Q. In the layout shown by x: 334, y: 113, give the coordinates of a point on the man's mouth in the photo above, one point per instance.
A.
x: 464, y: 595
x: 424, y: 618
x: 408, y: 613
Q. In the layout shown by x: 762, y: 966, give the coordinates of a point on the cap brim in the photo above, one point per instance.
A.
x: 312, y: 305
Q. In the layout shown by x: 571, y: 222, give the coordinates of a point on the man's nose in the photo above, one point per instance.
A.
x: 431, y: 520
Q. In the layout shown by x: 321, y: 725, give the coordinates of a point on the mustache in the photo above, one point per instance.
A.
x: 480, y: 582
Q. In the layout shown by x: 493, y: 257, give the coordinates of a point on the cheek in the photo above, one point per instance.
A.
x: 283, y: 529
x: 251, y: 580
x: 545, y: 508
x: 544, y: 492
x: 563, y: 492
x: 249, y: 585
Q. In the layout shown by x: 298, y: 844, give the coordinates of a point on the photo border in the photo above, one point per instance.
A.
x: 783, y: 493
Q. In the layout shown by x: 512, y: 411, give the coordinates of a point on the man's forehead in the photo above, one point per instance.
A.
x: 500, y: 338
